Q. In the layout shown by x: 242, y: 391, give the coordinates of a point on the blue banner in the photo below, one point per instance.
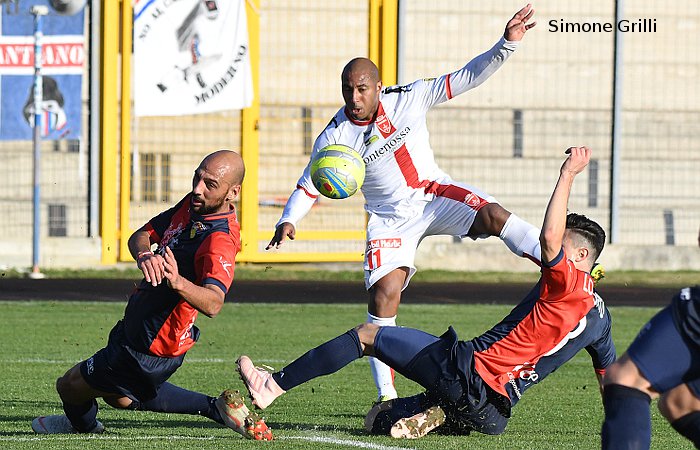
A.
x: 63, y: 61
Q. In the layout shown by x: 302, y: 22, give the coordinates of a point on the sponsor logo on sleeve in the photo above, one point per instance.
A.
x: 225, y: 265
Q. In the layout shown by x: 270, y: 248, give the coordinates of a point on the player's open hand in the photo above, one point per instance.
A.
x: 152, y: 267
x: 577, y: 160
x: 518, y: 25
x: 171, y: 271
x: 284, y: 230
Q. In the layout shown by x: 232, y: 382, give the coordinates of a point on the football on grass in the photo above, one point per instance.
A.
x: 337, y: 171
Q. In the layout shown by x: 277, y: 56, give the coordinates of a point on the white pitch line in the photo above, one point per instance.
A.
x: 348, y: 442
x: 102, y: 437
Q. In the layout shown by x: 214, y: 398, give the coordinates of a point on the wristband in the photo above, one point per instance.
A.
x: 142, y: 254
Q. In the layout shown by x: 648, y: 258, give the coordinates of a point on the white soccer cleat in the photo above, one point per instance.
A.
x: 263, y: 389
x: 418, y: 425
x: 239, y: 418
x: 59, y: 424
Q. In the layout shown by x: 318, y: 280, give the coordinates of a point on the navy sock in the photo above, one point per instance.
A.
x: 689, y: 427
x: 82, y: 417
x: 323, y: 360
x: 174, y: 399
x: 627, y: 423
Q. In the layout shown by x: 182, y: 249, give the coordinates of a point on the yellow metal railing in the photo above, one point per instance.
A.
x: 109, y: 53
x: 115, y: 203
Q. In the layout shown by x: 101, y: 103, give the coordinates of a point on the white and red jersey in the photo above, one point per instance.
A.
x: 401, y: 172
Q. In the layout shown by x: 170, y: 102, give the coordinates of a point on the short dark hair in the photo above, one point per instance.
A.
x: 588, y: 230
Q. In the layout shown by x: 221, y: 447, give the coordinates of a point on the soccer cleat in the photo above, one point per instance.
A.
x: 263, y: 389
x: 418, y: 425
x: 239, y: 418
x: 257, y: 428
x: 59, y: 424
x: 379, y: 409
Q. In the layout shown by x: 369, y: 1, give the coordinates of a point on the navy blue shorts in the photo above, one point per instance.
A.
x: 664, y: 357
x: 433, y: 363
x: 119, y: 369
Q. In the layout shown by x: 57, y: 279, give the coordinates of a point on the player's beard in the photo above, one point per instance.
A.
x: 205, y: 208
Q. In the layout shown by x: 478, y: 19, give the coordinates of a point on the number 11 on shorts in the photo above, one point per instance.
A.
x: 374, y: 259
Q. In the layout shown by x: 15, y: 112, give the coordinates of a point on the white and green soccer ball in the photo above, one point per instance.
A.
x: 337, y: 171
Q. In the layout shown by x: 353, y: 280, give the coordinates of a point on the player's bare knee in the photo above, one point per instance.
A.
x: 678, y: 402
x: 665, y: 408
x: 118, y: 402
x: 623, y: 371
x: 489, y: 220
x: 60, y: 385
x: 367, y: 332
x: 65, y: 386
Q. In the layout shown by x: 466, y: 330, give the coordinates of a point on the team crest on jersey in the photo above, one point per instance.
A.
x: 472, y: 200
x: 384, y: 125
x: 197, y: 226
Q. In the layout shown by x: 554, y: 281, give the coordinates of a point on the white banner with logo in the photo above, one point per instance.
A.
x: 190, y: 57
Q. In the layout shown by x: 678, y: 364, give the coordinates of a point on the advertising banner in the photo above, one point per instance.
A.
x: 63, y: 58
x: 190, y: 57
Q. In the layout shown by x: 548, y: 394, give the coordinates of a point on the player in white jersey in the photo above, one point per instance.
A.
x: 407, y: 196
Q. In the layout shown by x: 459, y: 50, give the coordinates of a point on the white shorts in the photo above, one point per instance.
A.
x: 392, y: 240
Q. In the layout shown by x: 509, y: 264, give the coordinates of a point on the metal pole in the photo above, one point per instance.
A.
x: 37, y: 11
x: 616, y: 127
x: 401, y: 45
x: 94, y: 130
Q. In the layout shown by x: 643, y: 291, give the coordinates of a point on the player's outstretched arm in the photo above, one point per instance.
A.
x: 283, y: 231
x: 554, y: 225
x: 518, y: 25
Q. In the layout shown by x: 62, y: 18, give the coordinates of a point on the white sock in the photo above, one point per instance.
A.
x: 521, y: 237
x: 383, y: 375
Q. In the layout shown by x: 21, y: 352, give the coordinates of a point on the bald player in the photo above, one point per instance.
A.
x: 189, y: 271
x: 408, y: 197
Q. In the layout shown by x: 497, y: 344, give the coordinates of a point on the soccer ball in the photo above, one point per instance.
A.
x: 337, y: 171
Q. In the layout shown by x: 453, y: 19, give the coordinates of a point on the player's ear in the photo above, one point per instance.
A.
x: 582, y: 254
x: 233, y: 192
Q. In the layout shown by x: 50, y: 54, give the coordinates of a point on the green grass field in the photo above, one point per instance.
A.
x: 41, y: 340
x: 353, y: 272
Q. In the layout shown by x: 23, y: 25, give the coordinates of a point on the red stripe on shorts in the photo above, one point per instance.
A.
x: 457, y: 193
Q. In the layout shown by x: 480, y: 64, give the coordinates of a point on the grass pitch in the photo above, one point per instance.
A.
x: 41, y: 340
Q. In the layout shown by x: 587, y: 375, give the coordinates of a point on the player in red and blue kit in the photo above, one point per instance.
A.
x: 662, y: 362
x: 189, y: 272
x: 477, y: 382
